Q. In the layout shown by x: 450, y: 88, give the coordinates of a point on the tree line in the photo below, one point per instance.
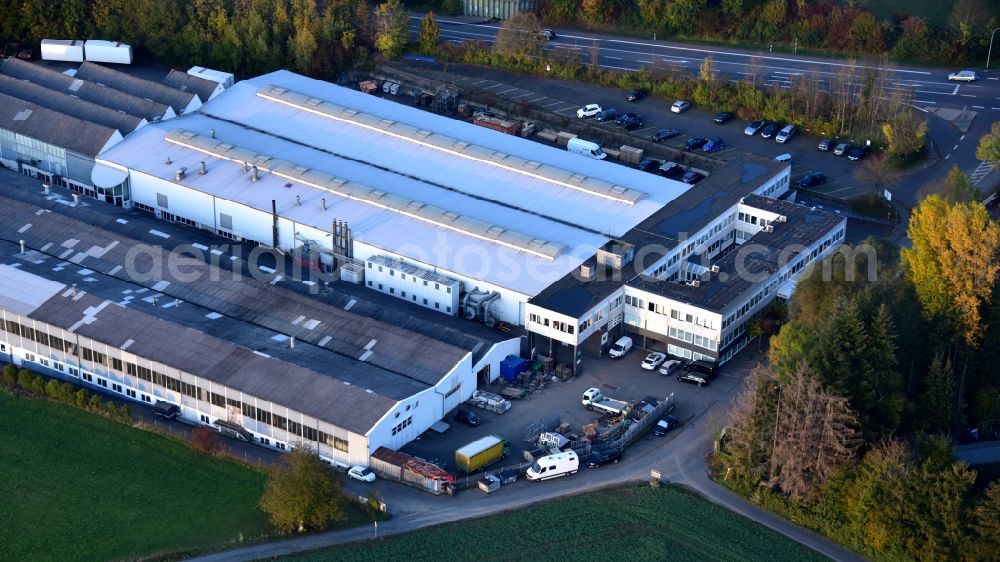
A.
x: 882, y: 361
x: 245, y: 37
x: 845, y: 27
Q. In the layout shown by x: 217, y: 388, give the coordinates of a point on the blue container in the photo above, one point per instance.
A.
x: 512, y: 366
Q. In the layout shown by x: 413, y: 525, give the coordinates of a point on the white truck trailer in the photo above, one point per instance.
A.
x: 96, y: 50
x: 65, y: 50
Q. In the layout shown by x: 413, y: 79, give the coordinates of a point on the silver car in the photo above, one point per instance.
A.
x: 670, y: 367
x: 785, y: 134
x: 963, y: 76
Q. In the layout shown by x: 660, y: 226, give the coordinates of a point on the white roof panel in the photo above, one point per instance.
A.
x: 23, y: 292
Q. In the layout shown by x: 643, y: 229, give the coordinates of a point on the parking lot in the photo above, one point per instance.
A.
x: 620, y: 379
x: 564, y: 98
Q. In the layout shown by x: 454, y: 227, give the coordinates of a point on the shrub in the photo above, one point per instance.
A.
x: 80, y: 398
x: 38, y: 384
x: 112, y: 410
x: 24, y: 379
x: 9, y: 375
x: 53, y: 389
x: 94, y: 404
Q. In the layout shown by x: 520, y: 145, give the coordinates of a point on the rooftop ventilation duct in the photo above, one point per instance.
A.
x: 179, y: 175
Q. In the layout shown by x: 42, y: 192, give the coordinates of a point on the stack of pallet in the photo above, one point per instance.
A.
x: 630, y: 154
x: 564, y: 372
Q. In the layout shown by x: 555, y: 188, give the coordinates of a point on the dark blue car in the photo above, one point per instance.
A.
x: 713, y: 144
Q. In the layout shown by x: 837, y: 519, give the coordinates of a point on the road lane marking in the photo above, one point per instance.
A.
x: 613, y: 58
x: 956, y: 89
x: 556, y: 103
x: 961, y: 138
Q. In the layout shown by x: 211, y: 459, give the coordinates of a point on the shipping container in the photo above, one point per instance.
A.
x: 67, y: 50
x: 480, y: 453
x: 96, y: 50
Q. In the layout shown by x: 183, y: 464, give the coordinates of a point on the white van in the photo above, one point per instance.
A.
x: 621, y: 347
x: 586, y: 148
x: 554, y: 466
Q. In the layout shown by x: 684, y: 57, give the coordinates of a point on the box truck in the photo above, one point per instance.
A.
x: 96, y: 50
x: 481, y: 453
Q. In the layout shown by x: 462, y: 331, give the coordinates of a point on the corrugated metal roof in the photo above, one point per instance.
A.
x: 186, y: 83
x: 32, y: 120
x: 70, y: 105
x: 155, y: 91
x: 90, y: 91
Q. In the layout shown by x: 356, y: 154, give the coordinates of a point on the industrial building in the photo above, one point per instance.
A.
x: 278, y: 367
x: 54, y: 124
x: 286, y: 161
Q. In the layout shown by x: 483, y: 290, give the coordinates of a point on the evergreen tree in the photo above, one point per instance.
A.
x: 305, y: 38
x: 392, y: 28
x: 938, y: 402
x: 880, y: 390
x: 985, y: 544
x: 430, y: 34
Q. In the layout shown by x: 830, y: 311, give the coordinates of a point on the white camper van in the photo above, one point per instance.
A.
x: 554, y: 466
x: 586, y: 148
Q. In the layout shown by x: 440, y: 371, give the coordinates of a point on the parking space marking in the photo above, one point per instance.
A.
x: 476, y: 82
x: 497, y: 85
x: 978, y: 107
x: 536, y: 99
x: 613, y: 58
x: 523, y: 95
x: 558, y: 103
x: 508, y: 90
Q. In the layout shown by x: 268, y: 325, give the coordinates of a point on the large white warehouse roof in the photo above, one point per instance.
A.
x: 436, y: 190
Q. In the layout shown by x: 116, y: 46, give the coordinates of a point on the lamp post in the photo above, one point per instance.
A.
x: 990, y: 52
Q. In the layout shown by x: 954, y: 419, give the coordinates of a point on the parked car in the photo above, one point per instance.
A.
x: 723, y: 117
x: 670, y: 169
x: 842, y: 149
x: 664, y: 134
x: 621, y: 347
x: 857, y: 153
x: 785, y: 134
x: 670, y: 366
x: 607, y: 115
x: 653, y: 360
x: 548, y: 34
x: 665, y: 424
x: 700, y: 372
x: 714, y: 144
x: 963, y: 76
x: 468, y: 417
x: 694, y: 143
x: 589, y: 110
x: 597, y: 458
x: 769, y: 130
x: 753, y: 128
x: 629, y: 115
x: 635, y: 95
x: 680, y: 106
x: 361, y: 473
x: 785, y: 158
x: 825, y: 145
x: 812, y: 180
x: 649, y: 165
x: 691, y: 177
x: 166, y: 410
x: 630, y: 122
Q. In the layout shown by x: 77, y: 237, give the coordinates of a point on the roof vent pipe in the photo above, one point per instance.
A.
x: 298, y: 201
x: 253, y: 173
x: 180, y: 173
x: 246, y: 166
x: 169, y: 161
x: 204, y: 169
x: 322, y: 203
x: 291, y: 342
x: 212, y: 133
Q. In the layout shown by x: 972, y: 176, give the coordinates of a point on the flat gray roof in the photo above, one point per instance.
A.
x: 155, y: 91
x: 90, y: 91
x: 32, y: 120
x: 740, y: 272
x: 348, y: 321
x: 661, y: 232
x: 351, y: 407
x: 70, y: 105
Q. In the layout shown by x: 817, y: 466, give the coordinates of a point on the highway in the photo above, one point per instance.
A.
x: 925, y: 86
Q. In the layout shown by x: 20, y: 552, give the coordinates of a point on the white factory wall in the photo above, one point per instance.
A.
x: 405, y: 286
x: 181, y: 201
x: 509, y: 308
x: 67, y: 366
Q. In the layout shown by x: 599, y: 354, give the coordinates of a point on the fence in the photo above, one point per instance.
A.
x: 583, y: 447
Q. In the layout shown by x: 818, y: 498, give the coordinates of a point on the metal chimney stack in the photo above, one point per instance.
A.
x: 204, y: 169
x: 298, y: 201
x: 212, y: 133
x: 253, y: 173
x: 322, y: 203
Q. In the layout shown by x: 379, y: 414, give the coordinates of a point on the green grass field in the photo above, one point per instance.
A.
x: 75, y: 486
x: 639, y: 523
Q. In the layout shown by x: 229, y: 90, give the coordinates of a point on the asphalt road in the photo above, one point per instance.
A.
x: 928, y: 86
x: 680, y: 458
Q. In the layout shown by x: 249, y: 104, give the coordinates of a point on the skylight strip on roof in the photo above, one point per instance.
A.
x: 358, y: 192
x: 279, y: 95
